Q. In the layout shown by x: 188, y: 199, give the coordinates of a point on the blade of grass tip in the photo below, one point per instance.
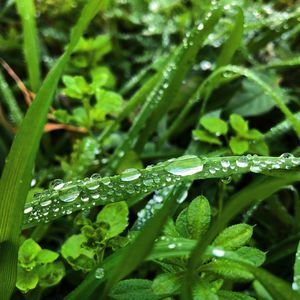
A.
x: 287, y: 63
x: 10, y: 101
x: 166, y: 88
x: 225, y: 57
x: 182, y: 63
x: 296, y: 281
x: 16, y: 176
x: 263, y: 187
x: 27, y: 13
x: 234, y: 40
x: 144, y: 242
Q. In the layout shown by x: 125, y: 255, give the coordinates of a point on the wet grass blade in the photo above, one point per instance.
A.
x: 27, y: 13
x: 296, y: 282
x: 16, y: 176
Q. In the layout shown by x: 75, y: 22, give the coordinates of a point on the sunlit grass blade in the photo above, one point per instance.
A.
x: 16, y: 176
x: 10, y: 101
x: 27, y: 13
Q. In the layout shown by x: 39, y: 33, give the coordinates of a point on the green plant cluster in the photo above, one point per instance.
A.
x: 149, y: 149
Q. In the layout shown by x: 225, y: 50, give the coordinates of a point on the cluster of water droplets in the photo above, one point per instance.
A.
x: 63, y: 198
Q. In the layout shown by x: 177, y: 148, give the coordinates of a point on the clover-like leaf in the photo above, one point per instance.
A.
x: 234, y: 236
x: 198, y: 217
x: 46, y: 256
x: 116, y: 216
x: 26, y: 280
x: 28, y: 252
x: 238, y: 123
x: 203, y: 136
x: 238, y: 146
x: 214, y: 125
x: 167, y: 284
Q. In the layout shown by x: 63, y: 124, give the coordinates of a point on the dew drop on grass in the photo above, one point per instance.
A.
x: 185, y: 166
x: 84, y: 198
x: 242, y: 162
x: 57, y: 184
x: 99, y: 273
x: 45, y: 203
x: 69, y: 195
x: 27, y: 210
x: 225, y: 163
x: 286, y: 155
x: 93, y: 183
x: 226, y: 180
x: 218, y: 252
x: 130, y: 175
x: 182, y: 197
x: 172, y: 246
x: 255, y: 169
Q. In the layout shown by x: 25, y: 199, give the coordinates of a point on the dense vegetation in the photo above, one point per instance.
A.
x: 148, y: 149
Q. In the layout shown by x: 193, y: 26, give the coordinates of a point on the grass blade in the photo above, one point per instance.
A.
x: 296, y: 282
x: 27, y: 13
x: 16, y: 176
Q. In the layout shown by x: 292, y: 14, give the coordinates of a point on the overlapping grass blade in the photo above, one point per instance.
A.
x: 165, y: 91
x: 10, y: 101
x: 16, y: 176
x: 296, y: 281
x: 27, y: 13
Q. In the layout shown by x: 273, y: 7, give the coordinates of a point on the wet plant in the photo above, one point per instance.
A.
x: 157, y: 157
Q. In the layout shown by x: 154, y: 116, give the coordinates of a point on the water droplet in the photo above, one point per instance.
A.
x: 27, y: 210
x: 182, y: 197
x: 57, y: 184
x: 84, y: 198
x: 69, y: 195
x: 99, y: 273
x: 93, y: 183
x: 255, y: 169
x: 172, y: 246
x: 286, y: 155
x: 200, y: 26
x: 95, y: 195
x: 185, y: 166
x: 242, y: 162
x: 148, y: 182
x: 226, y: 180
x: 45, y: 203
x: 225, y: 163
x: 130, y: 174
x: 212, y: 170
x: 218, y: 252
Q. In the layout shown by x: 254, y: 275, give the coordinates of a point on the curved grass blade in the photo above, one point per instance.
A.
x: 27, y: 13
x: 16, y: 176
x: 10, y: 101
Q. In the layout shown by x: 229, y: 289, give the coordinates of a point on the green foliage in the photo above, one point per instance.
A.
x: 180, y: 119
x: 37, y: 266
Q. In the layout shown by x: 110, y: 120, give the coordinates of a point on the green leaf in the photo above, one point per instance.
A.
x: 238, y: 146
x: 76, y: 87
x: 133, y: 289
x: 28, y: 252
x: 239, y: 124
x: 17, y: 173
x: 167, y: 284
x: 102, y: 77
x: 116, y: 216
x: 51, y: 274
x: 254, y: 134
x: 182, y: 224
x: 107, y: 103
x: 204, y: 290
x: 253, y: 255
x: 229, y: 295
x: 198, y: 217
x: 214, y: 125
x: 228, y: 270
x: 260, y: 147
x: 203, y: 136
x: 46, y: 256
x: 234, y: 236
x: 26, y: 280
